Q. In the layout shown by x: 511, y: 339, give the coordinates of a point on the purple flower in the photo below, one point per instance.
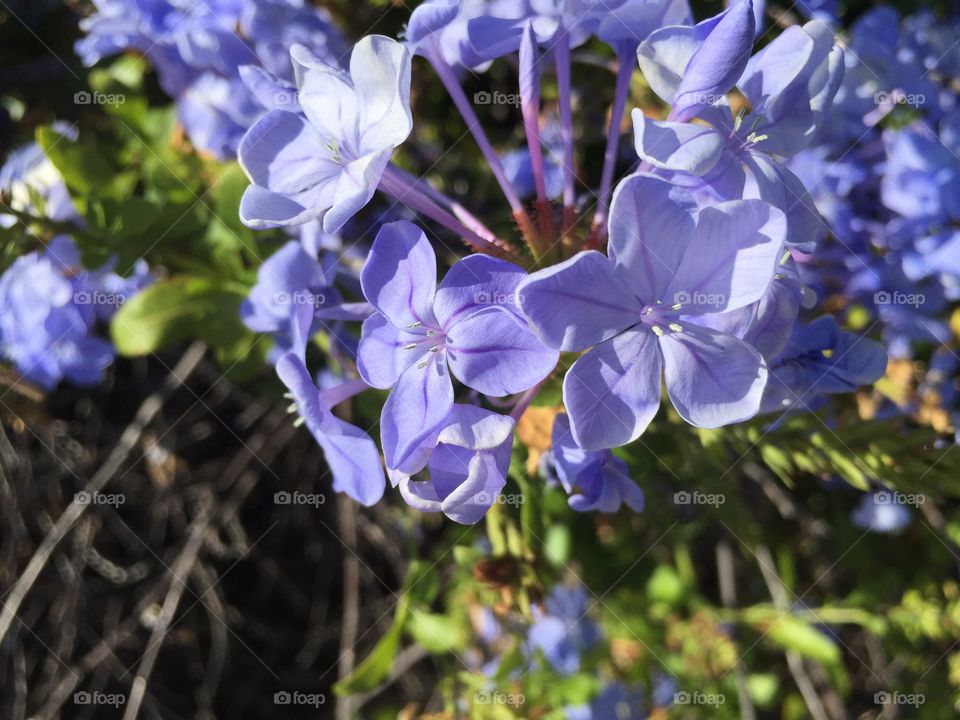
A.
x: 421, y: 333
x: 275, y: 26
x: 820, y: 358
x: 327, y: 160
x: 181, y: 40
x: 49, y: 306
x: 649, y: 308
x: 922, y: 178
x: 615, y: 702
x: 562, y: 631
x: 879, y: 512
x: 790, y: 85
x: 198, y: 49
x: 288, y: 278
x: 29, y: 174
x: 467, y: 460
x: 593, y: 480
x: 350, y: 452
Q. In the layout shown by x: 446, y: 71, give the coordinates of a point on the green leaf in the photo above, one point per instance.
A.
x: 793, y: 634
x: 557, y: 545
x: 437, y: 633
x: 83, y: 167
x: 376, y: 666
x: 176, y: 309
x: 763, y: 688
x: 665, y: 586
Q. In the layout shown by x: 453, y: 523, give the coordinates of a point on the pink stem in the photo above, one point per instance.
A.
x: 450, y: 82
x: 624, y: 72
x: 395, y: 185
x: 562, y: 59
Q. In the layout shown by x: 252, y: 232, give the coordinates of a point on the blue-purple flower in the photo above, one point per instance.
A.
x: 820, y: 358
x: 326, y: 160
x: 350, y: 452
x: 467, y: 462
x: 49, y: 306
x: 790, y: 85
x: 421, y: 333
x: 651, y: 307
x: 562, y: 630
x: 593, y: 480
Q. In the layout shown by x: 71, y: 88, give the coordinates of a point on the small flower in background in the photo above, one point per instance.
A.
x: 820, y: 358
x: 593, y: 480
x: 881, y: 517
x: 27, y: 176
x: 198, y: 50
x: 562, y: 631
x: 49, y: 307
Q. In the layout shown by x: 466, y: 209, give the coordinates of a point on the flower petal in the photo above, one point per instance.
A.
x: 472, y: 427
x: 684, y: 147
x: 725, y: 44
x: 613, y: 392
x: 284, y: 154
x: 579, y: 302
x: 354, y: 461
x: 381, y: 355
x: 261, y: 209
x: 732, y: 257
x: 651, y: 224
x: 380, y: 69
x: 416, y: 408
x: 476, y: 282
x: 400, y: 275
x: 713, y: 379
x: 495, y: 352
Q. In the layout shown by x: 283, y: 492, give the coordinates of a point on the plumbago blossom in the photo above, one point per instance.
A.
x: 790, y: 86
x: 50, y: 306
x: 201, y: 48
x: 686, y: 274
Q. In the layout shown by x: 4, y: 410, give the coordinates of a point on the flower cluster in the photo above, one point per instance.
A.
x: 50, y: 306
x: 885, y: 174
x: 684, y: 273
x: 203, y: 51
